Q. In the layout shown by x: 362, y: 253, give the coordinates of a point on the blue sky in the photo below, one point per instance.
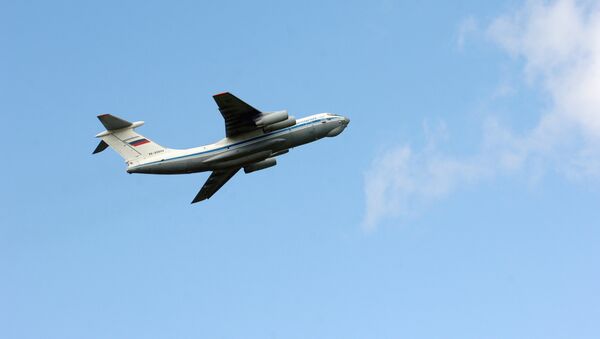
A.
x: 461, y: 202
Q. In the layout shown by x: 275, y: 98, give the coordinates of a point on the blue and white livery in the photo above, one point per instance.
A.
x: 253, y: 141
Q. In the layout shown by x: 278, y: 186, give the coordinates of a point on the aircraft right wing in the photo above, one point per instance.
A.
x: 216, y: 180
x: 239, y: 116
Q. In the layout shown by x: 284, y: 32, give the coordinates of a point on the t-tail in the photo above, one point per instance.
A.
x: 121, y: 136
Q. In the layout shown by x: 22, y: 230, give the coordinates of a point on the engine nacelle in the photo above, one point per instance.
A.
x: 270, y: 118
x: 257, y: 166
x: 290, y: 121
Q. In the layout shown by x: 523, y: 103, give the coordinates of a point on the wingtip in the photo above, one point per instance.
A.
x: 197, y: 199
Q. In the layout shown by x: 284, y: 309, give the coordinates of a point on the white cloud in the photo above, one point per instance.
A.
x: 559, y: 43
x: 400, y: 181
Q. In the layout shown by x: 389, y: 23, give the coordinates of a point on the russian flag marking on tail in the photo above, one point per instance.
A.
x: 139, y: 142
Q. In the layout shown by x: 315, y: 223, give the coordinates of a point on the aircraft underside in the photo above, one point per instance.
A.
x: 253, y: 141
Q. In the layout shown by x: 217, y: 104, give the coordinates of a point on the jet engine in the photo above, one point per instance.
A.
x: 290, y: 121
x: 257, y: 166
x: 269, y: 118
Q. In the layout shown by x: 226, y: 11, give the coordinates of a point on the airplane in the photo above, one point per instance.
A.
x: 253, y: 140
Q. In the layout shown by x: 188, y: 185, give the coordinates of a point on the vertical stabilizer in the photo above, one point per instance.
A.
x: 121, y: 136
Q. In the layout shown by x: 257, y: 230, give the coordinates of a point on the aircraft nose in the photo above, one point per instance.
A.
x: 346, y: 121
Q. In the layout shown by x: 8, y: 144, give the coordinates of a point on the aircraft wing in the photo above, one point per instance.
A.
x: 216, y: 180
x: 239, y: 116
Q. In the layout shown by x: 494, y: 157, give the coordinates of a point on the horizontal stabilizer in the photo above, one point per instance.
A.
x: 101, y: 147
x: 112, y: 122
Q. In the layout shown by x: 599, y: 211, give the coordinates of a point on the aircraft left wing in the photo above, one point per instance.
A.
x: 216, y: 180
x: 239, y: 116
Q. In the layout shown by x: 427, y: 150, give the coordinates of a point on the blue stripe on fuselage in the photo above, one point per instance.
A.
x: 235, y: 144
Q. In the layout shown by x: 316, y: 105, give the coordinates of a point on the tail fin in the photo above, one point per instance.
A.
x: 121, y: 137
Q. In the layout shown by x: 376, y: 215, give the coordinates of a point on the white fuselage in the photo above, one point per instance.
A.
x: 242, y: 150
